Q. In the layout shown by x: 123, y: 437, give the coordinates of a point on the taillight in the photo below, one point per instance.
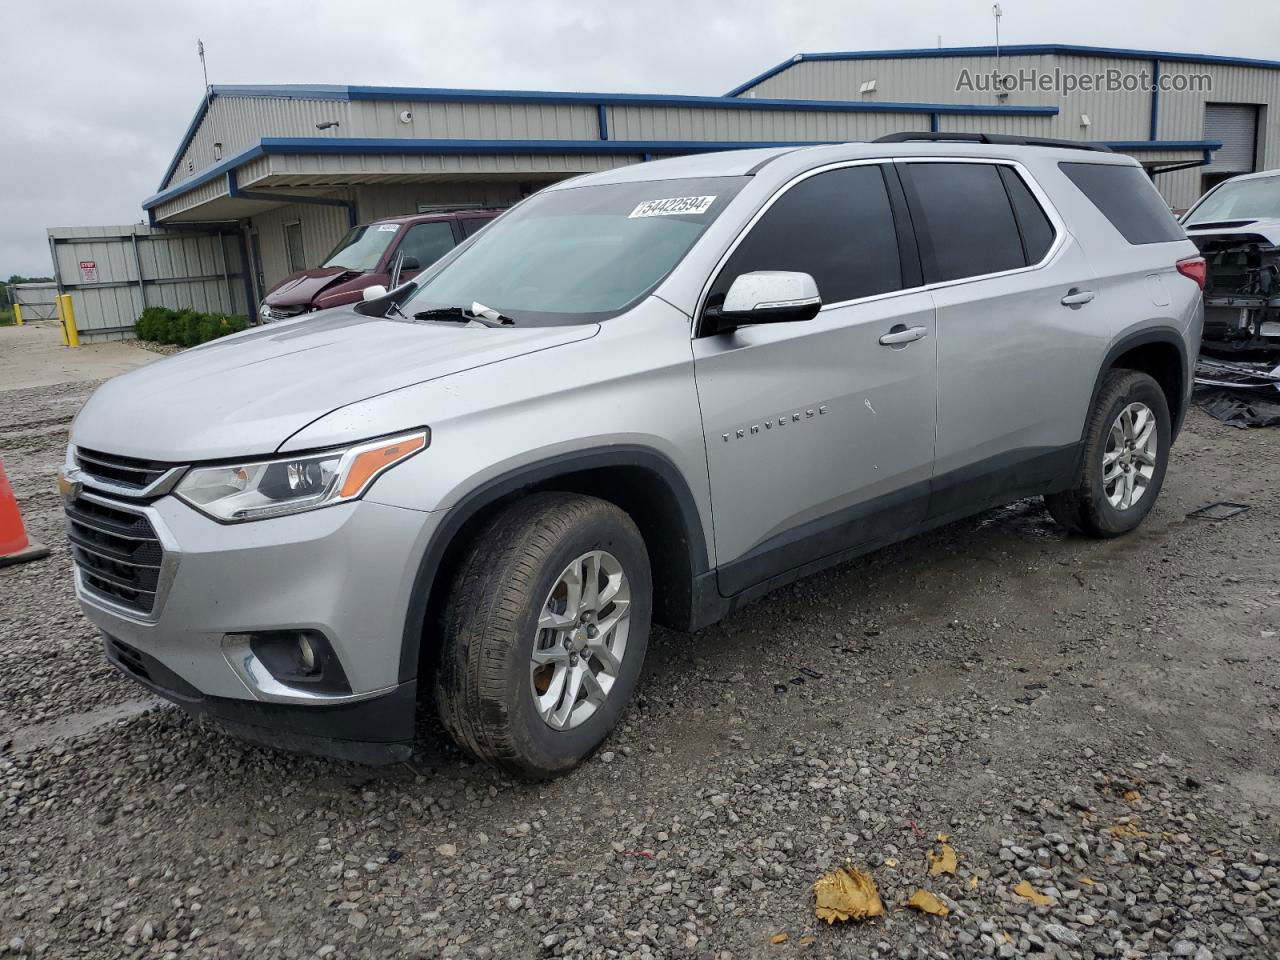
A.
x: 1193, y: 267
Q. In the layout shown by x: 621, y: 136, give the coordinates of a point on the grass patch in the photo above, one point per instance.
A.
x: 6, y: 316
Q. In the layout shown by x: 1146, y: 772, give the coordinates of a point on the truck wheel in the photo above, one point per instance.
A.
x: 1126, y: 451
x: 545, y: 633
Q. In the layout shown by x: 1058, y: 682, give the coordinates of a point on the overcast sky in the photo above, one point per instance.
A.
x: 95, y: 96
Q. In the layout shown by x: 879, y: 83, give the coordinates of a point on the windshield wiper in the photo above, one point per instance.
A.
x: 477, y: 312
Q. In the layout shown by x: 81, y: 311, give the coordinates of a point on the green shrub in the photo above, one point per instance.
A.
x: 186, y: 328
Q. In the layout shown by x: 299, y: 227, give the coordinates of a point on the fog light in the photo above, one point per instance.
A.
x: 300, y: 658
x: 306, y: 653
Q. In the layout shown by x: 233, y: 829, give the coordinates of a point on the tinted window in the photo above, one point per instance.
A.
x: 964, y: 211
x: 1037, y: 231
x: 293, y: 246
x: 471, y: 226
x: 1127, y: 198
x: 427, y: 242
x: 837, y: 226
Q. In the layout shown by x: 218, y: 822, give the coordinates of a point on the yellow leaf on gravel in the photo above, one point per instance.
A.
x: 973, y: 882
x: 846, y: 894
x: 1087, y: 881
x: 891, y: 861
x: 807, y: 941
x: 779, y: 938
x: 944, y: 862
x: 1133, y: 796
x: 926, y: 902
x: 943, y: 838
x: 1027, y: 892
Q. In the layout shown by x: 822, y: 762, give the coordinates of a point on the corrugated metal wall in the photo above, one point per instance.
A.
x: 322, y: 228
x: 178, y: 270
x: 1124, y: 115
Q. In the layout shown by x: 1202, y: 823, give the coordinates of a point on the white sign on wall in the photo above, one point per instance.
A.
x: 88, y: 271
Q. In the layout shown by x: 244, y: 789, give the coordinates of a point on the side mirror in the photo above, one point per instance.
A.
x: 375, y: 292
x: 768, y: 296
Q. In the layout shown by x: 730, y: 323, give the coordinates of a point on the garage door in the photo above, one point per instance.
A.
x: 1236, y: 125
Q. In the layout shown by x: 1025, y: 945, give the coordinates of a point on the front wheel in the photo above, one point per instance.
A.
x: 545, y: 633
x: 1126, y: 452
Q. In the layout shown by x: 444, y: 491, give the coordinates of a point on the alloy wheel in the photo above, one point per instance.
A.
x: 581, y: 640
x: 1129, y: 460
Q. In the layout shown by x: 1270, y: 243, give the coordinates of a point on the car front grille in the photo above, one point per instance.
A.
x: 285, y: 313
x: 117, y: 552
x: 128, y: 472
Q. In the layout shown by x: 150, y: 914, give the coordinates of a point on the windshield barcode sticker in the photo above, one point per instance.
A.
x: 388, y: 227
x: 672, y: 206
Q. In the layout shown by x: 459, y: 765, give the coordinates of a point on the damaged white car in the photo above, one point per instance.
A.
x: 1236, y: 225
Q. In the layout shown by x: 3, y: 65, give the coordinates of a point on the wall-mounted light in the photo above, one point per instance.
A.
x: 326, y: 124
x: 1085, y: 121
x: 217, y: 151
x: 868, y: 86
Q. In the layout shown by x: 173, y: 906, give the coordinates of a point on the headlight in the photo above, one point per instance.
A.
x: 265, y: 312
x: 254, y: 490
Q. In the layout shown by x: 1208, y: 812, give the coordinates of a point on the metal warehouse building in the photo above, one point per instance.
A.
x: 272, y: 176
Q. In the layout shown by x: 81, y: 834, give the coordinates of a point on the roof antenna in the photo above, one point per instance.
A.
x: 205, y: 70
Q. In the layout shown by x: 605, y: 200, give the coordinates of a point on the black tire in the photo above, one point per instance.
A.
x: 482, y: 687
x: 1084, y: 508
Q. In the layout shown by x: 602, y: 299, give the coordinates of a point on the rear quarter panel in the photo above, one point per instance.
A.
x: 1138, y: 288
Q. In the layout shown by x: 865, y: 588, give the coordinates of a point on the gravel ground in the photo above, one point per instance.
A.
x: 1099, y: 720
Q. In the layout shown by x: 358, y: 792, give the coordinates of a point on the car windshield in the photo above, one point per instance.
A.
x: 580, y: 254
x: 362, y: 247
x: 1242, y: 200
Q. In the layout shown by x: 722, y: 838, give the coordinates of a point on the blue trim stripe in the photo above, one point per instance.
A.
x: 283, y: 146
x: 599, y: 100
x: 287, y: 146
x: 1025, y: 49
x: 543, y: 97
x: 1164, y: 144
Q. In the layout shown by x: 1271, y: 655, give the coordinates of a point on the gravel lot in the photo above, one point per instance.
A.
x: 1100, y: 720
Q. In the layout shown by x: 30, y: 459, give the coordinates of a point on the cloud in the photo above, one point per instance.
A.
x: 88, y: 134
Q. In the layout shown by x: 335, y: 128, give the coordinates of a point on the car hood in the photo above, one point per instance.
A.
x: 301, y: 289
x: 248, y: 393
x: 1268, y: 227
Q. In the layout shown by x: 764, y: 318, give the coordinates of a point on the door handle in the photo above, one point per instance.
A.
x: 1076, y: 297
x: 899, y: 335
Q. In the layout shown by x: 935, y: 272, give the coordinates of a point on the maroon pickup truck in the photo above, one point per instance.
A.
x: 386, y: 252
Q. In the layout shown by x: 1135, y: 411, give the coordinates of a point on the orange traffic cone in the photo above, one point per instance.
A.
x: 15, y: 545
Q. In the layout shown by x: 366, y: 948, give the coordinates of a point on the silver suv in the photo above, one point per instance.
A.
x: 649, y: 394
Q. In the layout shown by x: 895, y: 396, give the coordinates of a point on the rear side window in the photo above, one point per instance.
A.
x: 964, y: 212
x: 837, y: 226
x: 1037, y: 231
x: 471, y: 226
x: 1127, y: 198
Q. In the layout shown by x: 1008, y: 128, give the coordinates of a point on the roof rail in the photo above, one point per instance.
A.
x: 993, y: 138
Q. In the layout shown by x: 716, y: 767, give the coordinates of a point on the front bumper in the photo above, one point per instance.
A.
x: 344, y: 571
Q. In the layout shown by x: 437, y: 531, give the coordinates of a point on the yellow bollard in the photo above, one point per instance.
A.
x: 17, y: 314
x: 70, y: 335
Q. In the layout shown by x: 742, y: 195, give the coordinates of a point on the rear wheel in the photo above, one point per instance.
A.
x: 1126, y: 451
x: 546, y: 630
